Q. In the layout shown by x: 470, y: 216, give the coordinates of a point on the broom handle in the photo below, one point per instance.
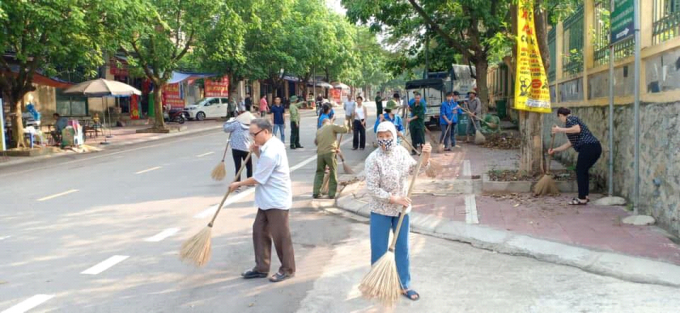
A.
x: 552, y: 143
x: 475, y: 116
x: 238, y: 174
x: 224, y: 156
x: 410, y: 145
x: 403, y: 211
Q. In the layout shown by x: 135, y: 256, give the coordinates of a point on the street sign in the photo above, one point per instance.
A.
x: 622, y: 20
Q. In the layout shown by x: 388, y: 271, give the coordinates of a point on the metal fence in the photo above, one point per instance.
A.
x: 552, y: 47
x: 600, y: 32
x: 572, y: 52
x: 666, y: 20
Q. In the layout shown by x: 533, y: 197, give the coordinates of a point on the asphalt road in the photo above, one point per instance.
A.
x: 101, y: 233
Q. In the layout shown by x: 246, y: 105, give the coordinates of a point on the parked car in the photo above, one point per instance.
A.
x: 208, y: 108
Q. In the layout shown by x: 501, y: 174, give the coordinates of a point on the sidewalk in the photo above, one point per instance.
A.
x: 121, y: 136
x: 588, y: 237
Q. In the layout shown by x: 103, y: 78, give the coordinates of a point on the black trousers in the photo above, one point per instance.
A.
x: 587, y: 156
x: 295, y: 135
x: 417, y: 135
x: 239, y: 157
x: 359, y: 140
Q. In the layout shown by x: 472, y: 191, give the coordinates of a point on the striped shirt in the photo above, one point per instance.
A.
x: 585, y: 137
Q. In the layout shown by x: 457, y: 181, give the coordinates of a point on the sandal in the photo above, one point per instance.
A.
x: 279, y: 277
x: 577, y: 201
x: 411, y: 295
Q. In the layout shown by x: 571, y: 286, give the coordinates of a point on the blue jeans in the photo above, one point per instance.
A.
x: 380, y: 235
x: 451, y: 138
x: 280, y: 128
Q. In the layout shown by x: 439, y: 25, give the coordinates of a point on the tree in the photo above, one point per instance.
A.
x: 41, y: 36
x: 159, y: 35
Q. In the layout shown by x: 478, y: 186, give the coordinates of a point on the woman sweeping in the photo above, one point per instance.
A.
x: 387, y: 171
x: 240, y: 141
x: 587, y: 146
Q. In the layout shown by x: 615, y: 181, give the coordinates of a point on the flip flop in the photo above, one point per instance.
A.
x: 410, y: 295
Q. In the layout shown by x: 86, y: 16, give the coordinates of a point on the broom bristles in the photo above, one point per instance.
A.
x: 479, y: 138
x: 382, y: 282
x: 324, y: 186
x: 197, y: 249
x: 219, y: 172
x: 348, y: 169
x: 546, y: 186
x: 434, y: 169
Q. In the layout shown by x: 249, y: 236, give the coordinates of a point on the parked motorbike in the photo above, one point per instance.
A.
x: 176, y: 115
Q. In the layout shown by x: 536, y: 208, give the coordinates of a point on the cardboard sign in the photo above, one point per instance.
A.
x: 532, y: 91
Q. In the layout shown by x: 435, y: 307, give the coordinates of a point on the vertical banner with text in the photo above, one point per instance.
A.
x: 532, y: 91
x: 172, y: 96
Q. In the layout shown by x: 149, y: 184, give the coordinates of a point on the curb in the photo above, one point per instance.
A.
x: 624, y: 267
x: 28, y: 160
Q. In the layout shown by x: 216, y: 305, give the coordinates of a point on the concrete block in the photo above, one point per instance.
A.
x: 639, y: 220
x: 610, y: 201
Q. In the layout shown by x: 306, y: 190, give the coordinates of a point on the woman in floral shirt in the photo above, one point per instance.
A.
x: 387, y: 171
x: 240, y: 140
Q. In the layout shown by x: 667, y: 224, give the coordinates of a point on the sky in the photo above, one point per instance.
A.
x: 336, y: 6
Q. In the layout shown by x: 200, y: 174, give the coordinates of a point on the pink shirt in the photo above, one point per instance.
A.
x: 263, y: 105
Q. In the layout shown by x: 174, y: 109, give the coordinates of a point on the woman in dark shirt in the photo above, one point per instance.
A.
x: 587, y: 146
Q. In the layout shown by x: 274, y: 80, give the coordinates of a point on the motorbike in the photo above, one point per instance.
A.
x: 176, y: 115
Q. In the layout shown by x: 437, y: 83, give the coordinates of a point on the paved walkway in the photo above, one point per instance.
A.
x: 453, y: 197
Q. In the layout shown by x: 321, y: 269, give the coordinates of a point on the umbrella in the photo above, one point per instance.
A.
x: 341, y: 86
x: 103, y: 88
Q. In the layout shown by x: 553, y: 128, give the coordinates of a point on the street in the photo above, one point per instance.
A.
x: 101, y: 233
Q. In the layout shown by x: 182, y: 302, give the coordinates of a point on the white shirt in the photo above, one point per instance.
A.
x: 349, y: 107
x: 273, y: 177
x: 360, y: 113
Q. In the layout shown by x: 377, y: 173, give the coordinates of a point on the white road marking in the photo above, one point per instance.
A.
x: 205, y: 154
x: 104, y: 265
x: 28, y: 304
x: 58, y: 195
x: 148, y: 170
x: 471, y: 210
x: 211, y: 210
x: 466, y: 168
x: 4, y: 237
x: 162, y: 235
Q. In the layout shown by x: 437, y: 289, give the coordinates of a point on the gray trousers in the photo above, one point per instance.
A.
x: 272, y: 226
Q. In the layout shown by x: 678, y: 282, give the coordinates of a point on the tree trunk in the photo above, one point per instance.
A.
x: 159, y: 123
x: 531, y: 149
x: 481, y: 68
x: 17, y: 122
x: 233, y: 93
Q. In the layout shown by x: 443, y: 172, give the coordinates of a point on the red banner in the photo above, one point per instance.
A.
x: 134, y: 107
x: 118, y: 70
x: 172, y: 96
x: 217, y: 88
x: 336, y: 95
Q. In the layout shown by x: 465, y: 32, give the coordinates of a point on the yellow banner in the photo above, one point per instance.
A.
x: 532, y: 91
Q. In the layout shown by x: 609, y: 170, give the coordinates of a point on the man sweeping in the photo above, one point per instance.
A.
x: 448, y: 119
x: 475, y: 107
x: 326, y: 149
x: 416, y: 123
x: 273, y: 197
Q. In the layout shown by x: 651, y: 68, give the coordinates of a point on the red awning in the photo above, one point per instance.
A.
x: 46, y: 81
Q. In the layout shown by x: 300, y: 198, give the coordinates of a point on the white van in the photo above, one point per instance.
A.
x: 208, y: 108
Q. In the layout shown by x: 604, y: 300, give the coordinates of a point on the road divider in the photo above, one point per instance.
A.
x: 104, y: 265
x: 162, y: 235
x: 148, y: 170
x: 28, y: 304
x: 57, y: 195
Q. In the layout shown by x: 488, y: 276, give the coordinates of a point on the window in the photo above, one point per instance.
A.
x: 212, y: 101
x: 68, y: 105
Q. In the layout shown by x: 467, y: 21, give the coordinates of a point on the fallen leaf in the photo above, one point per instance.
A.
x: 516, y: 205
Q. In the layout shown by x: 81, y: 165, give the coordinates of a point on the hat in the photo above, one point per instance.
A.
x: 391, y: 105
x: 245, y: 118
x: 293, y: 99
x: 472, y: 91
x: 387, y: 126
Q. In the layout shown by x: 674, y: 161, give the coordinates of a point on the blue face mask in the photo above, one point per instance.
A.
x: 388, y: 144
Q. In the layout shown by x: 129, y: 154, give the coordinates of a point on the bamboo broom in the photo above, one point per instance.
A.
x: 479, y: 137
x: 491, y: 125
x: 220, y: 171
x: 382, y: 282
x: 546, y: 185
x: 345, y: 167
x: 197, y: 249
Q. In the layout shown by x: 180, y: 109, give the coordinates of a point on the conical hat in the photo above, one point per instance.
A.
x: 245, y: 118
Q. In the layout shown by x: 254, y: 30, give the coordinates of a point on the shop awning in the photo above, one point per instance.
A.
x: 321, y: 84
x: 44, y: 80
x: 178, y: 77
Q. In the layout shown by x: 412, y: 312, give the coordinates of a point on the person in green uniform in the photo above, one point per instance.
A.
x: 294, y: 110
x: 416, y: 123
x: 326, y: 148
x: 379, y: 104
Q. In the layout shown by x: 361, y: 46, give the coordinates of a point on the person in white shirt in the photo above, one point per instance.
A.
x: 359, y: 124
x: 273, y: 197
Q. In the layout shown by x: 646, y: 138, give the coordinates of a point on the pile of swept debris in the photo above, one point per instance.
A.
x: 503, y: 141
